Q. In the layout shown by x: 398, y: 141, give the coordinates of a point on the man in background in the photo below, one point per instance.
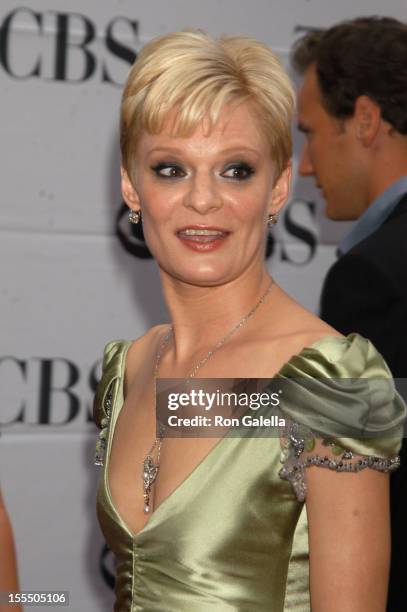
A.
x: 352, y: 109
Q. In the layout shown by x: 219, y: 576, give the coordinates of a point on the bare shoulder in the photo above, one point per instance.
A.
x: 310, y: 327
x: 142, y: 348
x: 299, y: 326
x: 144, y: 344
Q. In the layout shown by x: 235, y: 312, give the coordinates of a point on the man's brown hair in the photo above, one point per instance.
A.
x: 364, y: 56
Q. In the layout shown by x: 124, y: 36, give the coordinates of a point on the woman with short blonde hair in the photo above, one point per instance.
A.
x: 219, y: 522
x: 198, y: 75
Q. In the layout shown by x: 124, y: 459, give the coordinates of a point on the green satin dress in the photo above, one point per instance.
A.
x: 233, y: 535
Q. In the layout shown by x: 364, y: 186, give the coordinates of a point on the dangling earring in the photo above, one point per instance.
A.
x: 135, y: 216
x: 272, y: 220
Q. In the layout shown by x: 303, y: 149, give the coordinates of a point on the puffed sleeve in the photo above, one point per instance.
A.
x: 342, y: 410
x: 112, y: 372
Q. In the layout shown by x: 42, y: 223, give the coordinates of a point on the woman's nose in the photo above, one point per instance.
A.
x: 204, y: 193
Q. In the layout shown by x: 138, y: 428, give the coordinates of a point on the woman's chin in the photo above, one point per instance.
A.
x: 205, y: 277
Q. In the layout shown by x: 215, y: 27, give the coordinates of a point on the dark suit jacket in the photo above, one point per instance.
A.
x: 365, y: 291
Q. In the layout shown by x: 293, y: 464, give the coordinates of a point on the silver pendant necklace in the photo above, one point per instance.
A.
x: 150, y: 469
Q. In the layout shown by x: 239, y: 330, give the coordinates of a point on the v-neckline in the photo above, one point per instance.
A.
x: 115, y: 414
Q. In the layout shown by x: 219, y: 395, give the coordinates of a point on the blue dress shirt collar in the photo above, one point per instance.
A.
x: 375, y: 215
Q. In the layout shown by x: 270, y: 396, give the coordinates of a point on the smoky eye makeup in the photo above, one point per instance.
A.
x: 238, y: 170
x: 168, y: 169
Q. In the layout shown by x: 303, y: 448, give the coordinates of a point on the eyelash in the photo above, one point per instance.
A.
x: 238, y: 166
x: 171, y: 166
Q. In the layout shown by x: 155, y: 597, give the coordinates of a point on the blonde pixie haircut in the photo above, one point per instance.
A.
x: 198, y: 75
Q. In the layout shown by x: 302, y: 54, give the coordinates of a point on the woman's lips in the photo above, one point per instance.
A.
x: 202, y: 240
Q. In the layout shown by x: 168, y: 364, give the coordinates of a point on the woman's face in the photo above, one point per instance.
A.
x: 205, y: 198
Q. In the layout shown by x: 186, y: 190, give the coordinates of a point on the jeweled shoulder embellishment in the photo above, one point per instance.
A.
x: 102, y: 439
x: 300, y: 439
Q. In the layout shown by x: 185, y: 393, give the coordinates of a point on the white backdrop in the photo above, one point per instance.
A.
x: 68, y: 285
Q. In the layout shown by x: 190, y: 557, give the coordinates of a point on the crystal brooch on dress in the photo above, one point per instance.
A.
x: 102, y: 440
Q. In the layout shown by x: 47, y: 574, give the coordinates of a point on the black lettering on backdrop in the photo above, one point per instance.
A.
x: 93, y: 382
x: 131, y: 236
x: 5, y: 30
x: 298, y: 231
x: 42, y: 374
x: 47, y: 390
x: 118, y: 48
x: 67, y: 44
x: 270, y: 245
x: 22, y: 367
x: 64, y: 44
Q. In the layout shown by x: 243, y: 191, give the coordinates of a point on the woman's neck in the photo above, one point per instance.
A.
x: 202, y: 315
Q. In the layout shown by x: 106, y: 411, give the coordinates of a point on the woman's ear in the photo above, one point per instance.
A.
x: 130, y: 195
x: 281, y: 190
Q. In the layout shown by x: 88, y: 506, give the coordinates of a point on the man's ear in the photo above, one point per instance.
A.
x: 130, y: 195
x: 367, y: 120
x: 281, y: 190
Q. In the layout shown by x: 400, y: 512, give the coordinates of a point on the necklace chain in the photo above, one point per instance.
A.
x: 150, y: 469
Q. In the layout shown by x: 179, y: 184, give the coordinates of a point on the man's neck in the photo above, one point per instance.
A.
x: 389, y: 167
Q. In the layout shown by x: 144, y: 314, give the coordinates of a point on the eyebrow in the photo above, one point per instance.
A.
x: 236, y: 148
